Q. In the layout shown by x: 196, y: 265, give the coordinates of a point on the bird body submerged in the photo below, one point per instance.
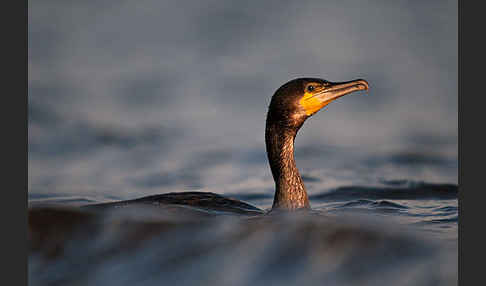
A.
x: 290, y: 106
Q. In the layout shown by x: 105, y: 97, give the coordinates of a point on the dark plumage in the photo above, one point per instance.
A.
x: 284, y: 118
x: 291, y: 105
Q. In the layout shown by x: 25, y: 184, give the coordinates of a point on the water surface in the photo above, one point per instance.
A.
x: 133, y: 99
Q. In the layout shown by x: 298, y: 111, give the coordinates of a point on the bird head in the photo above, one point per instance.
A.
x: 299, y: 99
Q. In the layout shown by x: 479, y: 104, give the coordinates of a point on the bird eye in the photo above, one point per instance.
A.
x: 310, y: 88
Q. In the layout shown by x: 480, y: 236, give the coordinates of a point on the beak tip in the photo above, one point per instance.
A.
x: 363, y: 84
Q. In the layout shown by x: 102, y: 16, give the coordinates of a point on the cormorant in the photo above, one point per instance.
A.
x: 290, y: 106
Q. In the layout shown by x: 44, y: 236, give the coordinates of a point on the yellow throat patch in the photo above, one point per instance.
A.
x: 311, y: 103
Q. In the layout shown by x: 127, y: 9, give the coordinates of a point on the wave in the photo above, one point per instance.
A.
x: 412, y: 191
x: 374, y: 204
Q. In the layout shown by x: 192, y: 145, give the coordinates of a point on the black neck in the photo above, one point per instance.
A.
x: 290, y: 193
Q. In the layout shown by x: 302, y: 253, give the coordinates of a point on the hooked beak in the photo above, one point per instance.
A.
x: 316, y: 101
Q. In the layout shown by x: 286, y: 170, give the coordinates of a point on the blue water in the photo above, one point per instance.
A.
x: 134, y: 99
x: 430, y: 207
x: 405, y: 234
